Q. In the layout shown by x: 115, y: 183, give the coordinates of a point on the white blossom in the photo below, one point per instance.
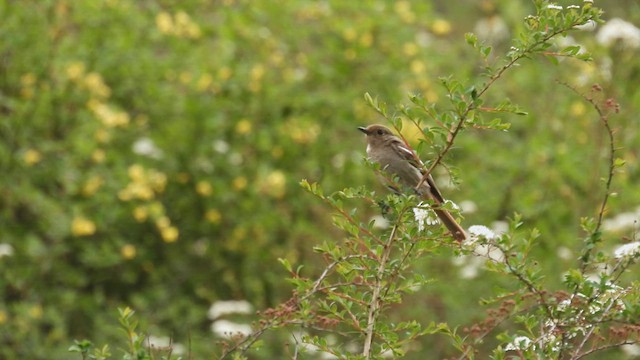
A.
x: 146, y: 147
x: 618, y: 30
x: 627, y: 250
x: 220, y: 308
x: 492, y: 28
x: 564, y: 253
x: 500, y: 227
x: 379, y: 222
x: 554, y: 6
x: 163, y: 342
x: 590, y: 25
x: 6, y: 250
x: 229, y: 329
x: 632, y: 350
x: 221, y: 146
x: 620, y: 222
x: 468, y: 207
x: 481, y: 231
x: 519, y: 343
x: 423, y: 214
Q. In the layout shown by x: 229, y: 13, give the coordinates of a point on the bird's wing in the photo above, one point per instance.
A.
x: 410, y: 156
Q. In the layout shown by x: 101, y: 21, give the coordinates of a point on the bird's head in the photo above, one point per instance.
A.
x: 376, y: 133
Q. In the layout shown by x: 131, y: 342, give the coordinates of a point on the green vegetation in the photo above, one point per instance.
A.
x: 152, y: 154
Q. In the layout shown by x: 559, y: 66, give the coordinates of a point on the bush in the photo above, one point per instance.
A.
x: 152, y: 154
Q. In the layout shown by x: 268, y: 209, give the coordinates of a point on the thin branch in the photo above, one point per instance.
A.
x: 374, y: 304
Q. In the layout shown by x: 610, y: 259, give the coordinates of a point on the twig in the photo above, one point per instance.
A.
x: 374, y: 304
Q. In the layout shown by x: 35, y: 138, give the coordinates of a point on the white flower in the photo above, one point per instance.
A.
x: 229, y: 329
x: 564, y: 253
x: 424, y: 215
x: 573, y: 7
x: 157, y: 342
x: 554, y: 6
x: 379, y: 222
x: 519, y: 343
x: 221, y: 146
x: 618, y: 30
x: 468, y: 207
x: 620, y: 222
x: 492, y: 28
x: 632, y: 350
x: 627, y: 250
x: 220, y: 308
x: 490, y: 252
x: 145, y: 147
x: 472, y: 268
x: 6, y: 250
x: 477, y: 231
x: 500, y: 227
x: 235, y: 158
x: 590, y: 25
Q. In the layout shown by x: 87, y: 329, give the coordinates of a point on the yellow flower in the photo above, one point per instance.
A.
x: 431, y: 96
x: 75, y: 70
x: 350, y: 54
x: 163, y: 222
x: 164, y: 23
x: 156, y: 209
x: 98, y: 156
x: 274, y: 184
x: 204, y: 188
x: 411, y: 132
x: 349, y: 34
x: 102, y: 136
x: 366, y: 39
x: 32, y: 157
x: 403, y: 9
x: 277, y: 152
x: 185, y: 77
x: 3, y: 317
x: 183, y: 177
x: 257, y: 72
x: 410, y: 49
x: 141, y: 213
x: 224, y: 73
x: 157, y: 179
x: 28, y: 79
x: 240, y: 183
x: 441, y: 27
x: 302, y: 131
x: 243, y: 127
x: 128, y: 251
x: 93, y: 81
x: 204, y: 82
x: 418, y: 67
x: 81, y: 226
x: 92, y: 185
x: 213, y: 216
x: 169, y: 234
x: 36, y: 311
x: 577, y: 108
x: 136, y: 172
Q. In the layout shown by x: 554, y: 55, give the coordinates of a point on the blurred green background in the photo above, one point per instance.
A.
x: 151, y: 153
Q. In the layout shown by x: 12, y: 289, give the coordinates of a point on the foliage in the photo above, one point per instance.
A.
x: 152, y: 150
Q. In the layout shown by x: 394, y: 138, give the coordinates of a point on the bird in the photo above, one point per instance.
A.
x: 397, y: 159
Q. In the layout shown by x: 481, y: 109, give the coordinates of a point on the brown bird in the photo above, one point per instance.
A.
x: 397, y: 159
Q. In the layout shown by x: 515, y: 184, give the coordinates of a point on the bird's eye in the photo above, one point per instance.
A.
x: 380, y: 132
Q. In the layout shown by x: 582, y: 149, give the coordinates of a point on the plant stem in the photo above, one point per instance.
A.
x: 374, y: 304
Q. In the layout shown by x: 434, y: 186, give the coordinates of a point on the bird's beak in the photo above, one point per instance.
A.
x: 363, y: 129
